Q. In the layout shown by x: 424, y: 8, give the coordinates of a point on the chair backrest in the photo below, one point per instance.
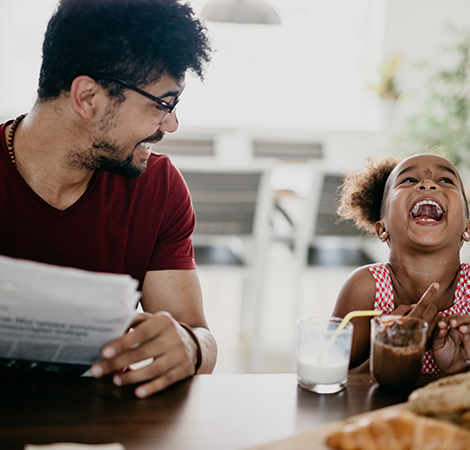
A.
x: 225, y: 202
x: 230, y: 201
x: 328, y: 222
x: 288, y: 151
x: 200, y: 146
x: 320, y: 218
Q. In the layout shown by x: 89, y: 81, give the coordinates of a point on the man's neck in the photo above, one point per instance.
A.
x: 41, y: 144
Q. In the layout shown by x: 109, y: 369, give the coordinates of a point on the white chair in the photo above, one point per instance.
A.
x: 233, y: 207
x: 322, y: 229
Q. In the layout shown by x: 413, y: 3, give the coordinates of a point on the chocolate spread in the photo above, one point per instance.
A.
x: 397, y: 351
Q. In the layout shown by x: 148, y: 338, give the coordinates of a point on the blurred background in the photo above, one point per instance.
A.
x: 298, y: 93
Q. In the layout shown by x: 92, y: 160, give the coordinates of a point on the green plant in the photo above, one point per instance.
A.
x: 443, y: 120
x: 387, y: 88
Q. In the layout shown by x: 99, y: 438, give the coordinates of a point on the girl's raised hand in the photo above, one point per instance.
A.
x: 451, y: 344
x: 425, y: 308
x: 427, y: 311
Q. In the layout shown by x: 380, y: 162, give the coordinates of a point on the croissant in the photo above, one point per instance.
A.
x: 400, y: 431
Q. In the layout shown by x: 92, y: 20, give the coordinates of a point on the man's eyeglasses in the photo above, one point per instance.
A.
x: 163, y: 106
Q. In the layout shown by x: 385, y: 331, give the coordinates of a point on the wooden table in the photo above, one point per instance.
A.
x: 220, y: 412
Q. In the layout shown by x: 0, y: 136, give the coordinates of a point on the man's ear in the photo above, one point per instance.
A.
x: 381, y: 231
x: 85, y: 93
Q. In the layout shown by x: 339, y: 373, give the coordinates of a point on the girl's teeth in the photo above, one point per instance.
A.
x: 427, y: 202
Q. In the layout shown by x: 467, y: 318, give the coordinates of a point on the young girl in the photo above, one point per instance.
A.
x: 419, y: 208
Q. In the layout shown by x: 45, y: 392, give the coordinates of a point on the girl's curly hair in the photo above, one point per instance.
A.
x: 362, y: 193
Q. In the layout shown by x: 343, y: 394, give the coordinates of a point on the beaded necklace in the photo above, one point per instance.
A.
x: 11, y: 135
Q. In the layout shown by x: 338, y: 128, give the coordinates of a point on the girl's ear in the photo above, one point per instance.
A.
x: 466, y: 233
x: 381, y: 231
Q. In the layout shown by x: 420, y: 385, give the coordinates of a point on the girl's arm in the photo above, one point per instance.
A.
x: 358, y: 293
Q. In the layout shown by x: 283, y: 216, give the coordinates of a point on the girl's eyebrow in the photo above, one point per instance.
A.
x: 448, y: 169
x: 406, y: 169
x: 439, y: 166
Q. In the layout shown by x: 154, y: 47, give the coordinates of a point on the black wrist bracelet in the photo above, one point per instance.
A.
x: 198, y: 345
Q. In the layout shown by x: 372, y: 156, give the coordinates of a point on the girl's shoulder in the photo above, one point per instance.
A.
x: 381, y: 273
x: 464, y: 278
x: 358, y: 291
x: 464, y: 269
x: 462, y: 292
x: 364, y: 276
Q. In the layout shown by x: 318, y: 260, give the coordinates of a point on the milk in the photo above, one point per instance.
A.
x: 330, y: 368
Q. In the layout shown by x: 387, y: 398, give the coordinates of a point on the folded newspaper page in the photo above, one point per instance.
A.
x: 59, y: 318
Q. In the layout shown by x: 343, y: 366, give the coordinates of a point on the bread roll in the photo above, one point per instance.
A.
x: 446, y: 396
x: 400, y: 431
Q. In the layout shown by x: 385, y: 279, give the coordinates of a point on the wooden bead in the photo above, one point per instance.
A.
x: 11, y: 135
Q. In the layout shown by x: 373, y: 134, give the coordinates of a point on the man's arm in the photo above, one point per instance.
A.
x: 168, y: 297
x: 179, y: 293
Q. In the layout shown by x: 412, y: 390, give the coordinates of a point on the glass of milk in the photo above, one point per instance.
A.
x: 323, y: 354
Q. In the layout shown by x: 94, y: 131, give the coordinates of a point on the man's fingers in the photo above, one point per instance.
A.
x: 160, y: 383
x: 140, y: 318
x: 135, y: 346
x: 155, y: 338
x: 150, y: 348
x: 149, y: 327
x: 158, y: 375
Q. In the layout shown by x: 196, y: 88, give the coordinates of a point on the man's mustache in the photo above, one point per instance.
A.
x: 157, y: 137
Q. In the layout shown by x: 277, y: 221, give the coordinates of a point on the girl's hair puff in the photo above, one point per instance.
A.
x: 362, y: 193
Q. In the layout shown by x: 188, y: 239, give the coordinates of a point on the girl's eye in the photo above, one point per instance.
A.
x: 408, y: 180
x: 446, y: 180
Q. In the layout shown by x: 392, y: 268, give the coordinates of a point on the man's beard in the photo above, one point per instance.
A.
x: 103, y: 156
x: 126, y: 167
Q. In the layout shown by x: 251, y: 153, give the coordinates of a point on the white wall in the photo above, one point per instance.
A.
x: 22, y: 26
x: 416, y: 30
x: 412, y: 28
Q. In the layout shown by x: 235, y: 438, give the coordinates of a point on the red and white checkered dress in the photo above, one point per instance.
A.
x: 384, y: 301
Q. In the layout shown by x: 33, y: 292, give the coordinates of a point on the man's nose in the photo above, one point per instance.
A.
x: 170, y: 124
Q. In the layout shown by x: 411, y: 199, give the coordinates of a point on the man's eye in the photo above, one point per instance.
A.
x: 161, y: 108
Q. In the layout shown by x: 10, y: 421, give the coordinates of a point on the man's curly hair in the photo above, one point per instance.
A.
x: 135, y: 40
x: 362, y: 193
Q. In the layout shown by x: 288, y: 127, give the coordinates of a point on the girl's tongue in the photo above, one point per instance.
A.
x: 427, y: 212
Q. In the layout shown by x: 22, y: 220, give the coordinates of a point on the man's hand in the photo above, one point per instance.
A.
x: 153, y: 336
x: 451, y: 344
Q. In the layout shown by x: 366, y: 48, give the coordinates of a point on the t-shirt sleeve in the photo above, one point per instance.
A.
x: 174, y: 246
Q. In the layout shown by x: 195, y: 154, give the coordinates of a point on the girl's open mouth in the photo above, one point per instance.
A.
x: 427, y: 211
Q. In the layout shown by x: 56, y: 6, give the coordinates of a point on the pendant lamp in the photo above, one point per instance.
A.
x: 241, y: 11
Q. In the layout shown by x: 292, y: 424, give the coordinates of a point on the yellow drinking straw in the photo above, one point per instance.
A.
x: 344, y: 322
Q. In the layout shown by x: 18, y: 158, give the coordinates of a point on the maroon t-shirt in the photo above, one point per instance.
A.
x: 118, y: 225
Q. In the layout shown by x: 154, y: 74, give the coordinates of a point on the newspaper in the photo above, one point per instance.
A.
x: 59, y: 318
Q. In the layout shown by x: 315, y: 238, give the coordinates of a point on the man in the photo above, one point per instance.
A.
x: 79, y: 186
